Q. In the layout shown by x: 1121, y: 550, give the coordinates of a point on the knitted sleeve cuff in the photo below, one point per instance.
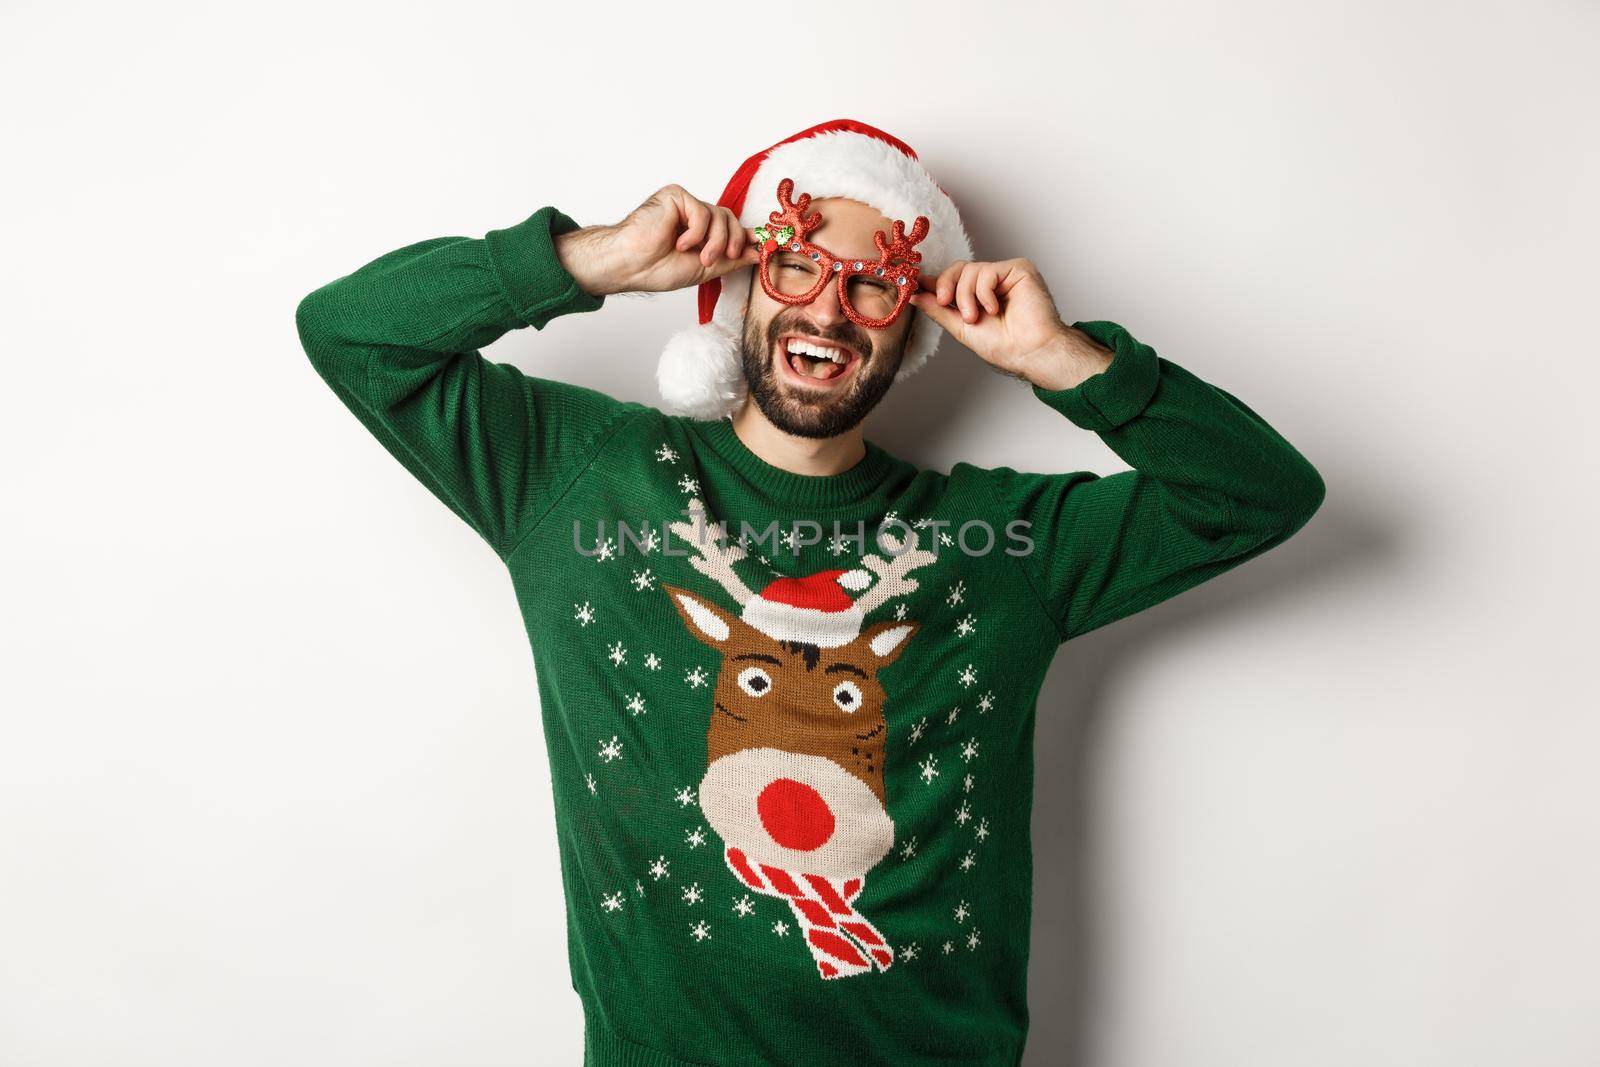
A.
x: 525, y: 261
x: 1106, y: 400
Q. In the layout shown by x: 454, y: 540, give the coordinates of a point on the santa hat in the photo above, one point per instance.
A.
x: 700, y: 372
x: 815, y: 610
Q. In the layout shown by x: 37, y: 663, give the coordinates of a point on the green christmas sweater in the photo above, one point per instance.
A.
x: 789, y: 718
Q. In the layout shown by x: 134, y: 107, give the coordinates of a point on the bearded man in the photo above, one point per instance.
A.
x: 793, y: 778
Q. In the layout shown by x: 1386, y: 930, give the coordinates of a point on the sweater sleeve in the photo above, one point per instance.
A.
x: 398, y: 340
x: 1212, y: 486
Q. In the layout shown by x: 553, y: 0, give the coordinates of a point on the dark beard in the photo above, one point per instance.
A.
x: 825, y: 415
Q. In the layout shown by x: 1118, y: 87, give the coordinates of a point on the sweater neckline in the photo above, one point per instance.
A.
x: 816, y: 490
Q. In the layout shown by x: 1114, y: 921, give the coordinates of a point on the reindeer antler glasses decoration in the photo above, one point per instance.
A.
x: 793, y: 270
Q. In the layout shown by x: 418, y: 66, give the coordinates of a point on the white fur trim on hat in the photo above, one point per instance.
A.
x: 699, y: 373
x: 785, y: 622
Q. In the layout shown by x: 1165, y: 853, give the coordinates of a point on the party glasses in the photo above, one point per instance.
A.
x: 872, y: 293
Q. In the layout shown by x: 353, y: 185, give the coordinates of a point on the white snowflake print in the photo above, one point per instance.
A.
x: 950, y: 719
x: 949, y: 947
x: 966, y: 784
x: 957, y: 594
x: 742, y: 906
x: 691, y: 894
x: 972, y: 940
x: 916, y: 731
x: 665, y: 454
x: 652, y: 662
x: 650, y: 541
x: 780, y: 928
x: 612, y: 902
x: 969, y: 751
x: 968, y: 862
x: 688, y: 484
x: 890, y: 517
x: 659, y: 869
x: 945, y: 539
x: 981, y: 831
x: 700, y: 931
x: 635, y: 703
x: 963, y: 813
x: 588, y: 780
x: 583, y: 613
x: 908, y: 849
x: 642, y: 581
x: 968, y: 676
x: 966, y: 625
x: 792, y: 539
x: 962, y: 911
x: 696, y: 678
x: 608, y: 549
x: 684, y: 797
x: 985, y: 702
x: 837, y: 545
x: 611, y: 750
x: 922, y: 523
x: 910, y: 951
x: 638, y: 887
x: 617, y: 654
x: 928, y: 770
x: 695, y: 838
x: 899, y: 613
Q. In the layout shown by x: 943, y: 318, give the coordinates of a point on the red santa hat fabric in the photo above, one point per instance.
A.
x: 816, y: 609
x: 699, y: 373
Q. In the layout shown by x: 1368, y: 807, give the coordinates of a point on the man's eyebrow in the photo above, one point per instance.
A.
x: 845, y: 668
x: 774, y: 660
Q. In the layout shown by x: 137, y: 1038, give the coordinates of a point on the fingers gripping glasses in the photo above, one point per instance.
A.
x: 872, y: 293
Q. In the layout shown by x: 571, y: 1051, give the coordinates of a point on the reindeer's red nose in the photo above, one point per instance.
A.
x: 795, y: 814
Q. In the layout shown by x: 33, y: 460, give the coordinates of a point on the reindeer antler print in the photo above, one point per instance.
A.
x: 714, y: 557
x: 892, y: 573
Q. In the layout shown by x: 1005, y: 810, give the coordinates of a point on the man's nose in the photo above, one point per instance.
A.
x: 825, y: 309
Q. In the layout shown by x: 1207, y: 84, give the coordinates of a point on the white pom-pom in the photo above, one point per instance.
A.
x: 855, y: 581
x: 699, y: 373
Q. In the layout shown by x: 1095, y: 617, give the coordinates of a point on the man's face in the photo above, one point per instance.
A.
x: 806, y: 393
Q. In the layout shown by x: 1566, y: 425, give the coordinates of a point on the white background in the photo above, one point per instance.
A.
x: 272, y: 782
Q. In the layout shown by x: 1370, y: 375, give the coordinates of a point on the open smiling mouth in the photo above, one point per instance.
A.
x: 815, y: 363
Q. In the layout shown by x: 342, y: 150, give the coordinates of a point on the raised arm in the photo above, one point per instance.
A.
x: 398, y: 340
x: 1212, y: 484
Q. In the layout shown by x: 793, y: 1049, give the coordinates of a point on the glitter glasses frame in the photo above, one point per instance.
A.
x: 897, y: 259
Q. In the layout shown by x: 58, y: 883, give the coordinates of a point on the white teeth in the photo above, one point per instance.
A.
x: 805, y: 348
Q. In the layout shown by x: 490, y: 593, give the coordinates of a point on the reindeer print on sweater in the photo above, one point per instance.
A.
x: 797, y: 738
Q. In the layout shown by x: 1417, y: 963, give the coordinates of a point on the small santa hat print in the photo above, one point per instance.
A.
x: 815, y: 610
x: 699, y: 373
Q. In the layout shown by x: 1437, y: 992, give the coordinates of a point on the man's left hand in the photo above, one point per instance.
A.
x: 1004, y: 312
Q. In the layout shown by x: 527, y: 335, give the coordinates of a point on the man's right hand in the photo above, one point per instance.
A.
x: 671, y: 241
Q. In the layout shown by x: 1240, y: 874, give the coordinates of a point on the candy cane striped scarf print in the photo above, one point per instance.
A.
x: 822, y: 908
